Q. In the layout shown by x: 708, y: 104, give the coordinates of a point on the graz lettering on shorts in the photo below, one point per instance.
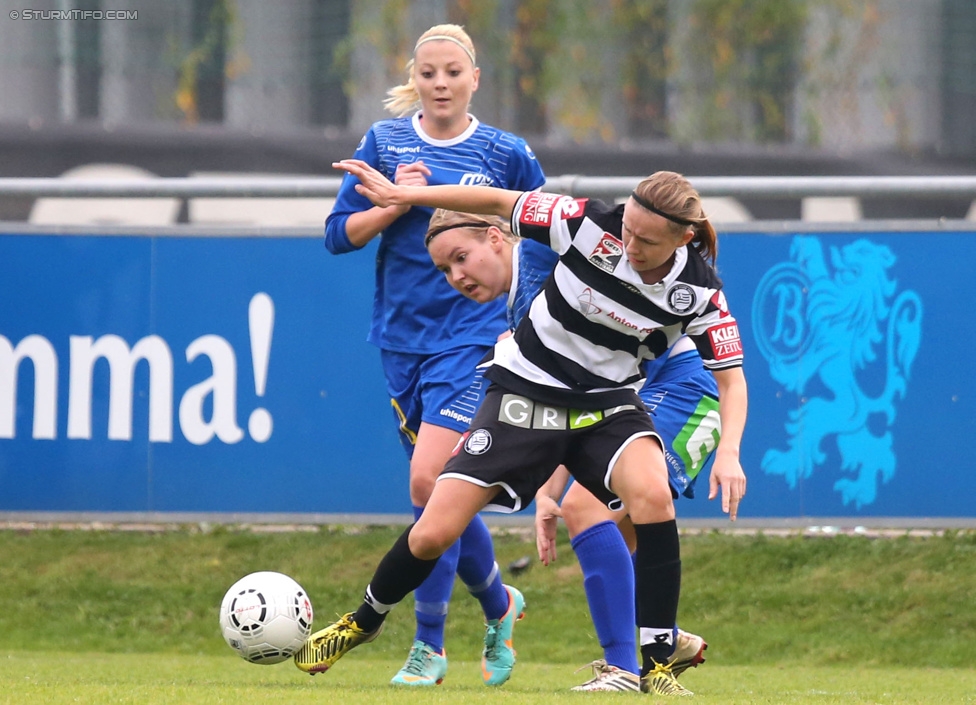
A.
x: 521, y: 411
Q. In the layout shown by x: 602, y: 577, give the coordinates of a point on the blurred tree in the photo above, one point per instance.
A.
x: 88, y: 60
x: 645, y: 65
x: 959, y: 78
x: 537, y: 33
x: 751, y: 50
x: 328, y: 102
x: 682, y: 70
x: 200, y: 88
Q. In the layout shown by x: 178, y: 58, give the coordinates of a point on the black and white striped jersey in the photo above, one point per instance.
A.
x: 587, y: 331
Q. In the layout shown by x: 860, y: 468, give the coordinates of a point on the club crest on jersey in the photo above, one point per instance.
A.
x: 478, y: 442
x: 607, y: 254
x: 681, y: 298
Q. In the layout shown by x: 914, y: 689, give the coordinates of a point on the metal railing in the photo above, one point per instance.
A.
x: 593, y: 186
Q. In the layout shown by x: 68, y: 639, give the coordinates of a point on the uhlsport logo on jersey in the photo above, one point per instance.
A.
x: 820, y: 326
x: 608, y: 253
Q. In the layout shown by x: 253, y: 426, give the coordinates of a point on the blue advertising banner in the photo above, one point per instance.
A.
x: 192, y: 374
x: 231, y: 374
x: 860, y: 404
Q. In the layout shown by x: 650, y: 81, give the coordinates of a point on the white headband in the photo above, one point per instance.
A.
x: 444, y: 37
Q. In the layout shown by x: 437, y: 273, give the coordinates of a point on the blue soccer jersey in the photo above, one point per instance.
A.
x: 532, y: 263
x: 415, y: 310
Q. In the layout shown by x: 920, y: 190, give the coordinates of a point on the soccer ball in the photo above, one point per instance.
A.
x: 266, y: 617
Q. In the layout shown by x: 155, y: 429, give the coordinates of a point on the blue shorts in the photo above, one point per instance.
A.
x: 443, y: 389
x: 683, y: 402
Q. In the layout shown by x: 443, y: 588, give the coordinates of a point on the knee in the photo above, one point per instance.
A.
x: 650, y: 505
x: 429, y: 539
x: 422, y: 480
x: 581, y: 510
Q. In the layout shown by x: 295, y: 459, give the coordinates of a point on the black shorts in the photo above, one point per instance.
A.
x: 515, y: 444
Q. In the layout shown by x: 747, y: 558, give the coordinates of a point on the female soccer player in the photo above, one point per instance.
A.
x: 483, y: 260
x: 430, y: 337
x: 627, y: 286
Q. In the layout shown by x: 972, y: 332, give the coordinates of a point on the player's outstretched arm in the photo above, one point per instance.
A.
x: 547, y: 512
x: 470, y: 199
x: 363, y: 226
x: 727, y: 470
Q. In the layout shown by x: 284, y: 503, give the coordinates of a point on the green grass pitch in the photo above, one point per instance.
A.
x: 131, y: 617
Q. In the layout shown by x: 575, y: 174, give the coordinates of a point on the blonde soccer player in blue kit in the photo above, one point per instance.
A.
x: 430, y: 337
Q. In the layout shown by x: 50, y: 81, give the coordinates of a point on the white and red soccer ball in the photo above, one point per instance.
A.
x: 266, y: 617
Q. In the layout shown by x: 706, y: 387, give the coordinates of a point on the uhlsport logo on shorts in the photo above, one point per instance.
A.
x: 478, y: 442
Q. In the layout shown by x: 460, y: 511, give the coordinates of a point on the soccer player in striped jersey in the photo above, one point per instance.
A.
x: 483, y: 260
x: 626, y: 287
x: 430, y: 337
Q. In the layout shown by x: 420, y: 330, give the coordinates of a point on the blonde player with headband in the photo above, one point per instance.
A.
x: 430, y: 336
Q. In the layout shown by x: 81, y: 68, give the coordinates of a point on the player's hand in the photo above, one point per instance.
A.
x: 546, y: 514
x: 414, y: 174
x: 727, y: 473
x: 372, y: 184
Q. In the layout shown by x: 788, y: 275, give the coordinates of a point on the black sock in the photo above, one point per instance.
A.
x: 657, y: 570
x: 397, y: 575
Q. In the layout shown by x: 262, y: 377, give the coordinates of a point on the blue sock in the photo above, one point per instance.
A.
x: 478, y: 570
x: 432, y: 597
x: 608, y: 579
